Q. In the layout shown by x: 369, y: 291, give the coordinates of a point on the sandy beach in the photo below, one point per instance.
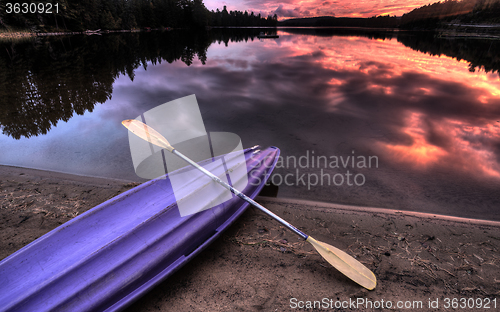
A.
x: 422, y: 261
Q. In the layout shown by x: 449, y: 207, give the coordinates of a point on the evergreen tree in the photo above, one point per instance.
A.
x: 128, y: 18
x: 200, y: 14
x: 127, y: 14
x: 2, y: 12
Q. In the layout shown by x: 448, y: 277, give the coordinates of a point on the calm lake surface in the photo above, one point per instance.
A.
x: 423, y: 113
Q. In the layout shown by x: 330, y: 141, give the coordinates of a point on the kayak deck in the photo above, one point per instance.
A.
x: 107, y: 257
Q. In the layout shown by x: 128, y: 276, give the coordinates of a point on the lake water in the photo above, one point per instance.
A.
x: 420, y: 115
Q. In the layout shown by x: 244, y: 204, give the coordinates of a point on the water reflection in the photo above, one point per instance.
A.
x: 47, y: 80
x: 432, y: 122
x: 429, y: 111
x: 480, y: 54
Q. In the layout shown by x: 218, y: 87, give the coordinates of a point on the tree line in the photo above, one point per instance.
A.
x: 332, y: 21
x: 133, y: 14
x: 238, y: 18
x: 429, y: 16
x: 130, y: 14
x: 464, y: 11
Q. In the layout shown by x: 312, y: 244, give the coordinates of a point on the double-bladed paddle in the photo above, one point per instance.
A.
x: 343, y: 262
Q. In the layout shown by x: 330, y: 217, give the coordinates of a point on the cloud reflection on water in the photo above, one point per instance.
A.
x: 431, y: 111
x: 449, y: 114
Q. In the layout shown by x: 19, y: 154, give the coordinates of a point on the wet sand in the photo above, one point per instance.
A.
x: 257, y: 265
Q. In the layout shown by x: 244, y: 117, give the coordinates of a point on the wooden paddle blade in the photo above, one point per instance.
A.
x: 147, y: 133
x: 346, y: 264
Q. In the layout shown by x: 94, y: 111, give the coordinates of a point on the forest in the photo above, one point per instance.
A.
x: 128, y: 14
x: 429, y: 16
x: 465, y: 11
x: 331, y: 21
x: 152, y: 14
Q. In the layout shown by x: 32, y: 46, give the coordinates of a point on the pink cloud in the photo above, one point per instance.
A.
x: 308, y: 8
x: 281, y: 12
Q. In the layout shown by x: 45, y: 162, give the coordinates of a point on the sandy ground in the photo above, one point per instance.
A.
x: 257, y: 265
x: 15, y: 35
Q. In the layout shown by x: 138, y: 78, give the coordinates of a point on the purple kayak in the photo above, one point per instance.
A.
x: 112, y: 254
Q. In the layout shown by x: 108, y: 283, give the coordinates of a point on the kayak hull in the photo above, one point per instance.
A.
x: 109, y: 256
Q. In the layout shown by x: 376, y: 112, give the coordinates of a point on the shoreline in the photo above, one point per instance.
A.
x: 354, y: 209
x: 27, y: 34
x: 259, y: 265
x: 341, y: 208
x: 12, y: 170
x: 442, y: 33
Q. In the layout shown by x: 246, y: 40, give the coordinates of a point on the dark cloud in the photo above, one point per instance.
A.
x: 328, y: 12
x: 368, y: 12
x: 282, y: 12
x: 366, y: 9
x: 265, y: 3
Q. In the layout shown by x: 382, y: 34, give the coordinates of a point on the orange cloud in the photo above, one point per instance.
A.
x: 462, y: 153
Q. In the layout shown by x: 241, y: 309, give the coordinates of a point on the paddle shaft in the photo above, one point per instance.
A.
x: 345, y: 263
x: 239, y: 194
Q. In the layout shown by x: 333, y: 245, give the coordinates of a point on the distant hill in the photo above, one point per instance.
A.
x: 322, y: 21
x: 434, y: 15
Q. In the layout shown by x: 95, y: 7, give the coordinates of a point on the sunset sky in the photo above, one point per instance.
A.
x: 307, y: 8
